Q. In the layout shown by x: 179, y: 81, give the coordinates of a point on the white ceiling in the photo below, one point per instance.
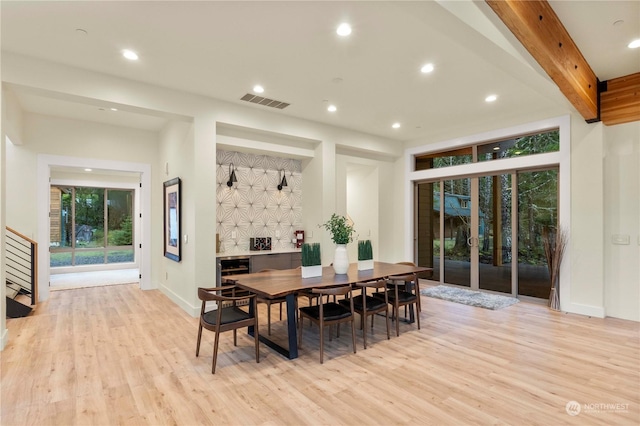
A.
x: 221, y: 49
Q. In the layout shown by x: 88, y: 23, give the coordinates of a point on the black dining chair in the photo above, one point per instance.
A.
x: 226, y: 317
x: 368, y: 305
x: 328, y: 314
x: 402, y: 290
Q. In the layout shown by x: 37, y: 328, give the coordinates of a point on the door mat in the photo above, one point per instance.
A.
x: 469, y: 297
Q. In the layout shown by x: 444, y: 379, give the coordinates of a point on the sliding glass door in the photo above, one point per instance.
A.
x: 473, y: 223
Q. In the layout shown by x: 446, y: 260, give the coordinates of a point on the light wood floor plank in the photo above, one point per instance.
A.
x: 117, y: 355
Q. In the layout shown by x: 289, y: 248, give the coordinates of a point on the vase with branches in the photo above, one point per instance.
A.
x: 555, y: 242
x: 341, y: 230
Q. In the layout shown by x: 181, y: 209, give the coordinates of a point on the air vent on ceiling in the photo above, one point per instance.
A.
x: 260, y: 100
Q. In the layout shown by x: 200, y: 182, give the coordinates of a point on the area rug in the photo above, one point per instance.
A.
x: 469, y: 297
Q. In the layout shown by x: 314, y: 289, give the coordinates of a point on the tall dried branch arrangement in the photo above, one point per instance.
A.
x: 555, y: 242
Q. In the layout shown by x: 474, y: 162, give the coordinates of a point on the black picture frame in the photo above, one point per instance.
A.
x: 172, y: 219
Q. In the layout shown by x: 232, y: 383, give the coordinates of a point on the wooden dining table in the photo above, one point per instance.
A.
x: 287, y: 283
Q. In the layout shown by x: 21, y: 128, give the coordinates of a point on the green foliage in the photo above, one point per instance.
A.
x: 122, y: 236
x: 311, y: 254
x: 365, y: 251
x: 341, y: 231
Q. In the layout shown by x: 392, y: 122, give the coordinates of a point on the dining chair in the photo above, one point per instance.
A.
x: 367, y: 305
x: 269, y: 302
x: 327, y: 314
x: 404, y: 291
x: 408, y: 280
x: 226, y: 317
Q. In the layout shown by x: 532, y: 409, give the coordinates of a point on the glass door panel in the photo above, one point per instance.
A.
x: 537, y: 209
x: 494, y: 233
x: 456, y: 236
x: 428, y: 229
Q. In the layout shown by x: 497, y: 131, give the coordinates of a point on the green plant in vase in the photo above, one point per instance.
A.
x: 341, y: 231
x: 365, y: 255
x: 311, y: 260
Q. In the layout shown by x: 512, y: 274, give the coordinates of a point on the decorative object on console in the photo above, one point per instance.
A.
x: 283, y: 180
x: 260, y: 243
x: 365, y: 255
x: 232, y: 175
x: 299, y: 240
x: 311, y: 260
x: 341, y: 230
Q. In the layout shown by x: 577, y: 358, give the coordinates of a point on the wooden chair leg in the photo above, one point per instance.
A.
x: 215, y: 352
x: 364, y: 330
x: 396, y: 309
x: 387, y: 317
x: 235, y: 338
x: 353, y: 333
x: 199, y: 338
x: 322, y: 342
x: 257, y: 342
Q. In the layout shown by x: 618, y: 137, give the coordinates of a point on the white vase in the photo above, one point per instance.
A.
x: 341, y: 260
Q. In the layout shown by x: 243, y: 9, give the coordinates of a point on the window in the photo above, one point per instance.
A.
x: 90, y: 226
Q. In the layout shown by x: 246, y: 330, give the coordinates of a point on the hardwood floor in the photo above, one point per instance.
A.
x: 119, y: 355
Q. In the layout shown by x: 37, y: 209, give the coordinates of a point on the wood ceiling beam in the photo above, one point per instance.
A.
x: 620, y: 100
x: 541, y: 32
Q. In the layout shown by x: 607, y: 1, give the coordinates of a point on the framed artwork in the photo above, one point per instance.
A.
x: 172, y: 244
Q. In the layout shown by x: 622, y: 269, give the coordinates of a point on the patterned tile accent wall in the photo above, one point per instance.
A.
x: 254, y: 207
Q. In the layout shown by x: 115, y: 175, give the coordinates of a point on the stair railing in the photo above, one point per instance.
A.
x: 22, y: 264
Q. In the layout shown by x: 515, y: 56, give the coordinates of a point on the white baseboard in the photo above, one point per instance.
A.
x: 194, y: 311
x: 4, y: 339
x: 588, y: 310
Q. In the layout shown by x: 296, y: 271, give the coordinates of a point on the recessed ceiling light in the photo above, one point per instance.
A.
x: 344, y: 29
x: 491, y: 98
x: 258, y: 89
x: 332, y: 108
x: 496, y: 148
x: 396, y: 125
x: 88, y: 170
x: 634, y: 44
x: 427, y: 68
x: 130, y: 55
x: 114, y: 109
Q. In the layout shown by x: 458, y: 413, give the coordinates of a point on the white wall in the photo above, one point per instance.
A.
x: 176, y: 157
x: 58, y: 136
x: 622, y: 220
x: 587, y: 219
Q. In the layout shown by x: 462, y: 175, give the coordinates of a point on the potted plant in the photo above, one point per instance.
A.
x: 341, y: 234
x: 311, y: 260
x: 365, y: 255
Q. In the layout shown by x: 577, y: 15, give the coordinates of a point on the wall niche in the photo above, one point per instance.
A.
x: 254, y: 206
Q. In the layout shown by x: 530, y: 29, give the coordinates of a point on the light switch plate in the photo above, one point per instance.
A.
x: 233, y: 234
x: 620, y: 239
